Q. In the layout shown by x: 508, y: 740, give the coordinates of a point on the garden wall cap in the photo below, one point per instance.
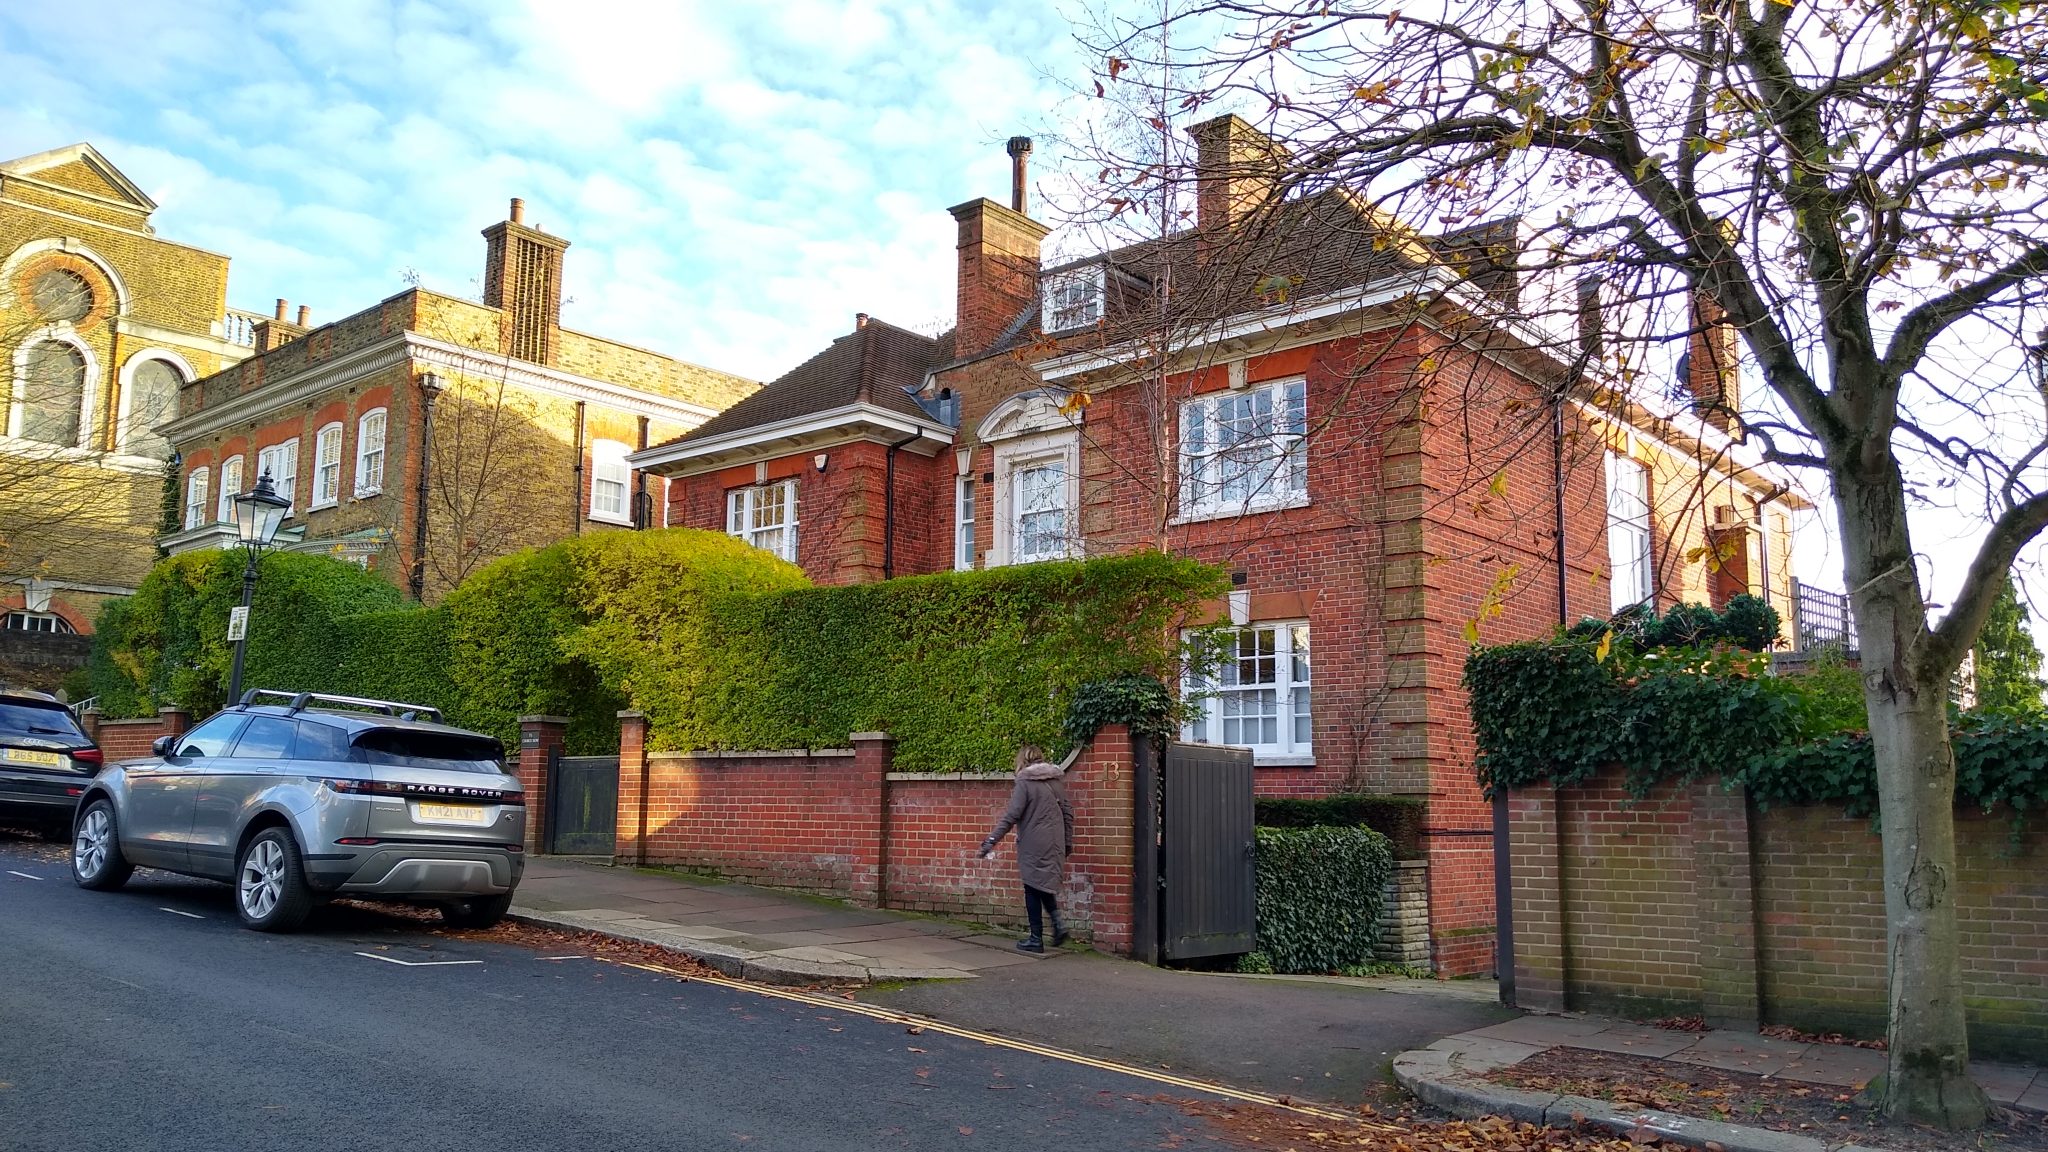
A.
x: 632, y: 714
x: 544, y: 720
x: 859, y: 737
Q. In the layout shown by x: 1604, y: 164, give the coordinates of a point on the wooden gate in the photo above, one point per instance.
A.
x: 583, y: 804
x: 1207, y: 897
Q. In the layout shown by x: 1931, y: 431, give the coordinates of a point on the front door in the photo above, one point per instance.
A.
x: 230, y: 782
x: 157, y: 825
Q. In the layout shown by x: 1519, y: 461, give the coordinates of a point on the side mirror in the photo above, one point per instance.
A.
x: 162, y: 745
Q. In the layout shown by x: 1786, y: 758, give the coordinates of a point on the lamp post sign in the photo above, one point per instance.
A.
x: 238, y: 622
x: 258, y: 512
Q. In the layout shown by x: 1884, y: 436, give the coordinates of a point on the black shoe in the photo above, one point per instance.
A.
x: 1059, y: 937
x: 1030, y: 944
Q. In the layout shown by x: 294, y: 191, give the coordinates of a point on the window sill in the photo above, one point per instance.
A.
x: 608, y: 518
x: 1203, y: 515
x: 365, y: 494
x: 1294, y: 760
x: 317, y: 505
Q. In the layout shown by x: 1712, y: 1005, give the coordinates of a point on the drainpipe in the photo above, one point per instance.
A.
x: 430, y: 387
x: 889, y: 505
x: 643, y: 516
x: 576, y: 500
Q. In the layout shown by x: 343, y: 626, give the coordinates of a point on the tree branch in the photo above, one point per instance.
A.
x: 1942, y: 648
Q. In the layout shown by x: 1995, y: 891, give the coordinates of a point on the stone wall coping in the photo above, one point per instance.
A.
x: 132, y: 720
x: 771, y: 754
x: 1422, y: 863
x: 950, y: 777
x: 563, y: 720
x: 863, y: 737
x: 632, y: 714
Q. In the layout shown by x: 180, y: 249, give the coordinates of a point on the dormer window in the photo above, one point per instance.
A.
x: 1072, y: 299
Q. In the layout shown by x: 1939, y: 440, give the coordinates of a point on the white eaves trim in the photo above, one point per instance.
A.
x: 1261, y: 322
x: 299, y: 387
x: 689, y: 457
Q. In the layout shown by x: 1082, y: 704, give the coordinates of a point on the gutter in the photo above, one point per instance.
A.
x: 889, y: 504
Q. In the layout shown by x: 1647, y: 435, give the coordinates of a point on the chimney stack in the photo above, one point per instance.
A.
x: 283, y: 307
x: 523, y: 280
x: 1237, y: 170
x: 1712, y: 366
x: 998, y: 262
x: 305, y: 316
x: 1591, y: 320
x: 1020, y: 158
x: 860, y: 320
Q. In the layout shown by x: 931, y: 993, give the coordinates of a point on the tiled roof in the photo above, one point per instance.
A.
x: 873, y: 364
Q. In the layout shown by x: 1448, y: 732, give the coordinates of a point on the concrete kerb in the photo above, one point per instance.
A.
x: 1449, y: 1075
x: 738, y: 963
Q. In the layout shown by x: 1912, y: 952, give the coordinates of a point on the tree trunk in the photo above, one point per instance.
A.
x: 1927, y: 1067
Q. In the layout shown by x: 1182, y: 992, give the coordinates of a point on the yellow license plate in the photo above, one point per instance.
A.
x: 452, y: 813
x: 25, y: 756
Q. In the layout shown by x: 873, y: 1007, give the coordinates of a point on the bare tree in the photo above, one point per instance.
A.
x: 1852, y: 186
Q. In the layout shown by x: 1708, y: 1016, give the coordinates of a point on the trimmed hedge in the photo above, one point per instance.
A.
x: 1320, y: 892
x: 1399, y: 818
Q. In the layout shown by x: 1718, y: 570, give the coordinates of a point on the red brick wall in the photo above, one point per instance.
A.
x: 1693, y: 902
x: 128, y: 739
x: 838, y: 823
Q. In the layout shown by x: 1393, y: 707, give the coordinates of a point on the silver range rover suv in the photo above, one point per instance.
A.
x: 312, y: 797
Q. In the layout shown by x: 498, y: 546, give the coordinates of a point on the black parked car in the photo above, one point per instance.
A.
x: 46, y: 759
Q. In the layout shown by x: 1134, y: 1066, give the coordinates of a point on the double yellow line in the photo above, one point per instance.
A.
x: 892, y: 1017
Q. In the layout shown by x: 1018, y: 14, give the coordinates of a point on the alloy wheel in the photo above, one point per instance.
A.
x: 261, y: 884
x: 89, y: 849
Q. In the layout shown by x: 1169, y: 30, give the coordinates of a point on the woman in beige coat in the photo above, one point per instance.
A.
x: 1045, y: 838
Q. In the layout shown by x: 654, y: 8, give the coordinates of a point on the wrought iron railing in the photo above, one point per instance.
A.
x: 1821, y: 619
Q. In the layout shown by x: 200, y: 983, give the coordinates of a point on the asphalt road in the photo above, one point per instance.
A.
x: 149, y: 1019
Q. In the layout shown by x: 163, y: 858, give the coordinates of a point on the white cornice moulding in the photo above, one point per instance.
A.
x: 296, y: 389
x: 689, y: 459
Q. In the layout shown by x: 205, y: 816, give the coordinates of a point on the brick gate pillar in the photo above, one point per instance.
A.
x: 540, y: 737
x: 629, y: 833
x: 1725, y: 886
x: 874, y: 753
x: 174, y: 721
x: 1539, y: 898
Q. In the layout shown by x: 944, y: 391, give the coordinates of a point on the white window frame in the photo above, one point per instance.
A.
x: 1071, y: 299
x: 281, y: 462
x: 1273, y: 462
x: 608, y: 467
x: 231, y: 470
x: 124, y: 415
x: 17, y: 408
x: 371, y: 429
x: 1290, y: 692
x: 21, y: 620
x: 1012, y: 459
x: 1631, y: 559
x: 195, y: 497
x: 743, y: 506
x: 963, y: 524
x: 326, y: 472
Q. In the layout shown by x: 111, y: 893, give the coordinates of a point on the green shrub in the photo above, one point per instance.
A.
x: 1399, y: 818
x: 1137, y: 700
x: 1319, y: 896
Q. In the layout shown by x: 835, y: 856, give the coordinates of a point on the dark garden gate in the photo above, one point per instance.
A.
x: 583, y: 804
x: 1194, y: 890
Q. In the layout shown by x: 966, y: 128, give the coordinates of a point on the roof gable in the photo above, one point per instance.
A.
x: 80, y: 168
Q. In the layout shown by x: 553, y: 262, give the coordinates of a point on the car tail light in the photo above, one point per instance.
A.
x: 366, y: 787
x: 92, y: 756
x: 74, y: 791
x: 358, y: 840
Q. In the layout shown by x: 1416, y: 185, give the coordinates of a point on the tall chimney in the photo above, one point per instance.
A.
x: 1020, y: 158
x: 305, y: 316
x: 1712, y: 365
x: 283, y: 305
x: 1591, y: 320
x: 523, y: 280
x: 1237, y: 170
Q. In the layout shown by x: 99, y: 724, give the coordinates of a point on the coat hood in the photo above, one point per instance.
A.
x: 1040, y: 771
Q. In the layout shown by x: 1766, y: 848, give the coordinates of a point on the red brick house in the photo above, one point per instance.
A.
x: 1340, y: 417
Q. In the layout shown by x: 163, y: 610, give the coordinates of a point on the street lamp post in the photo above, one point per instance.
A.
x: 258, y: 512
x: 2037, y: 364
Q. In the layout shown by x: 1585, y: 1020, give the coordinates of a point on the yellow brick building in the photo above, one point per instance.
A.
x: 102, y: 323
x: 428, y: 435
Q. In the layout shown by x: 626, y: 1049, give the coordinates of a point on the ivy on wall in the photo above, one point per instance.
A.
x: 1320, y: 891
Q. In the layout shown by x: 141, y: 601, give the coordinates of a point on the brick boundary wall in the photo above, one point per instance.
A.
x: 1695, y: 902
x: 130, y: 739
x: 838, y: 822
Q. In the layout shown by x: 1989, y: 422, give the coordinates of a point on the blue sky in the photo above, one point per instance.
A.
x: 737, y: 180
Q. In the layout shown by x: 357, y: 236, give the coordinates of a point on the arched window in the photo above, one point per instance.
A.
x: 152, y: 401
x: 62, y: 296
x: 370, y: 453
x: 327, y: 466
x: 52, y: 393
x: 610, y: 482
x: 230, y: 487
x: 195, y: 498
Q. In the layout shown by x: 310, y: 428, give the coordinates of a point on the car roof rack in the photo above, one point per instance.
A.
x: 299, y: 701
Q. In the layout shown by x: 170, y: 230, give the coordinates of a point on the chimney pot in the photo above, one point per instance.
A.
x: 1019, y: 148
x: 305, y: 316
x: 860, y: 320
x: 283, y: 306
x: 518, y: 210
